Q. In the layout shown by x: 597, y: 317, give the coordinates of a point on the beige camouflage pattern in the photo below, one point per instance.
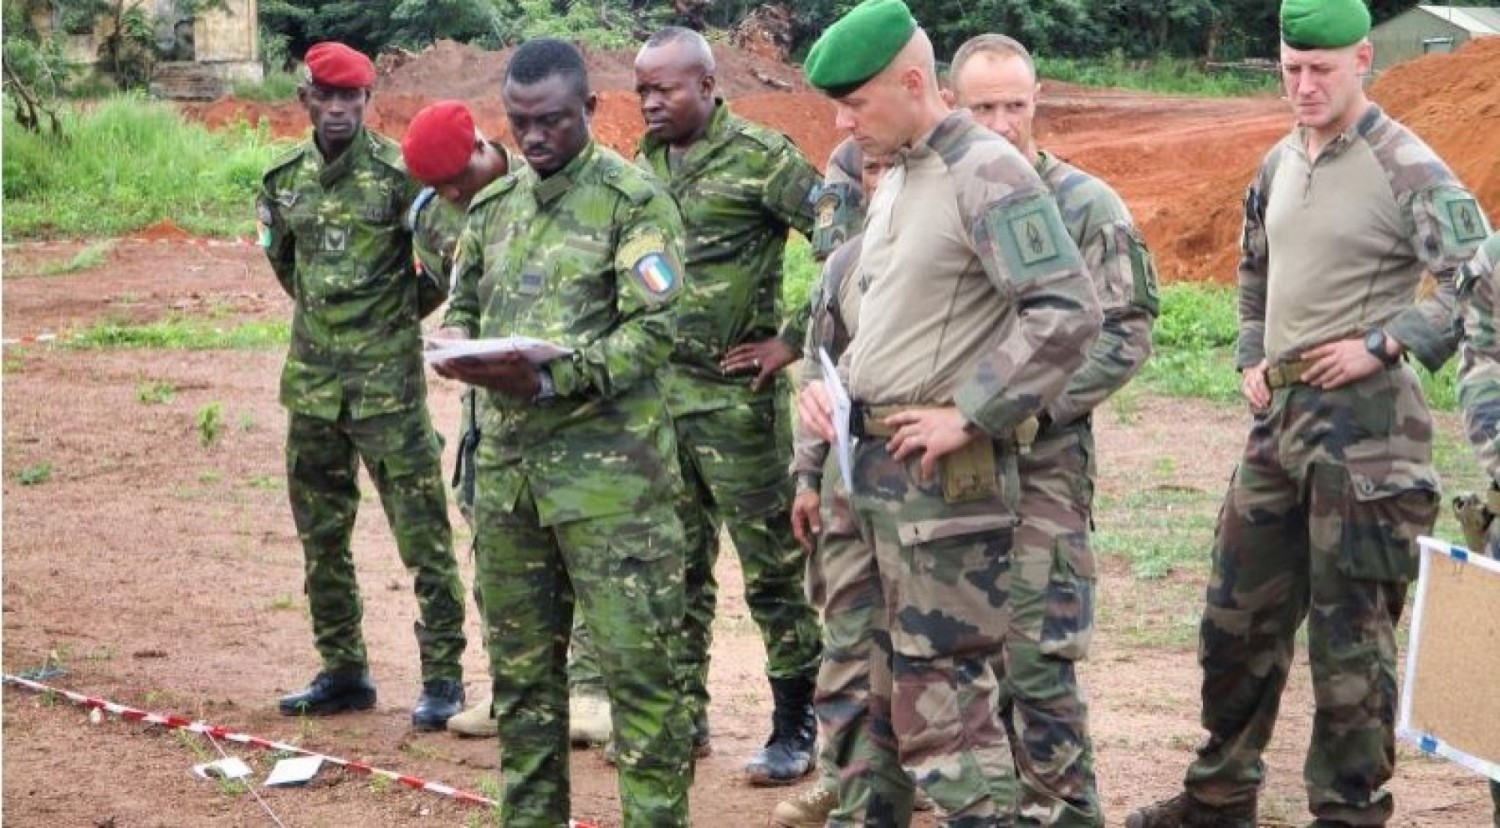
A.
x: 1479, y: 370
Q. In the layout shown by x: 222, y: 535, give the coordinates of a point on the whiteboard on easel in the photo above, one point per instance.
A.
x: 1449, y: 706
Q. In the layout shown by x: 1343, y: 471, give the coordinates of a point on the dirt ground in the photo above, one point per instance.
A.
x: 165, y: 575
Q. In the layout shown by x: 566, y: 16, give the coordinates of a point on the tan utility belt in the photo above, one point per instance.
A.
x: 1283, y: 374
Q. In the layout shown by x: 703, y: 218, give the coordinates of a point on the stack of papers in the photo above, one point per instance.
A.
x: 537, y: 351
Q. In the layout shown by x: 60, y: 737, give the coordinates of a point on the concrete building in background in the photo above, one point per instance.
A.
x: 1424, y: 30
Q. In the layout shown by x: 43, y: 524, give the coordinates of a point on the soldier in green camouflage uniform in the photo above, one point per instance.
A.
x: 741, y: 188
x: 977, y: 310
x: 1336, y: 482
x: 332, y: 213
x: 1052, y: 568
x: 1479, y: 383
x: 576, y: 469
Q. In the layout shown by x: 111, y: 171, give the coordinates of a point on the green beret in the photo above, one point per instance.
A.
x: 858, y: 46
x: 1323, y: 24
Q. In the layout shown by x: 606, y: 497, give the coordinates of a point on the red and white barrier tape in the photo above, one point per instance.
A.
x: 213, y: 731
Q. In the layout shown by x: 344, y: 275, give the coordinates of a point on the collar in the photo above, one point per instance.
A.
x: 552, y: 187
x: 936, y: 139
x: 329, y: 172
x: 718, y: 128
x: 1361, y: 127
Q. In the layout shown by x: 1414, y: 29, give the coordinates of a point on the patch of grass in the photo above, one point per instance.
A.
x: 131, y: 162
x: 799, y: 274
x: 282, y: 602
x: 156, y: 392
x: 265, y: 482
x: 1159, y: 530
x: 210, y: 423
x: 247, y: 421
x: 275, y: 87
x: 85, y: 259
x: 36, y: 474
x: 1166, y: 75
x: 178, y: 333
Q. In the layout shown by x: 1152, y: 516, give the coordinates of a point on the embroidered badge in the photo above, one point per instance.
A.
x: 531, y: 284
x: 335, y: 239
x: 648, y: 262
x: 1468, y: 223
x: 264, y: 218
x: 826, y: 209
x: 656, y: 273
x: 1033, y: 238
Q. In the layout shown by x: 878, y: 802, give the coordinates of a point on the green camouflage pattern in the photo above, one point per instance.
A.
x: 402, y: 454
x: 1423, y: 187
x: 1479, y: 367
x: 841, y: 579
x: 573, y: 492
x: 1320, y: 524
x: 945, y: 570
x: 741, y: 187
x: 338, y: 244
x: 1052, y: 575
x: 839, y: 202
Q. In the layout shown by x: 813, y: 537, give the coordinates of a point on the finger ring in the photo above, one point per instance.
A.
x: 755, y: 363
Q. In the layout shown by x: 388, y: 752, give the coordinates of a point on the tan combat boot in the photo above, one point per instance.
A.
x: 808, y: 809
x: 589, y: 720
x: 476, y: 722
x: 1183, y: 811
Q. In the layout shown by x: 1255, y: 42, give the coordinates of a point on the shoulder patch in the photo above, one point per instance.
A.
x: 386, y: 151
x: 1030, y: 237
x: 650, y: 265
x: 1460, y: 211
x: 493, y: 190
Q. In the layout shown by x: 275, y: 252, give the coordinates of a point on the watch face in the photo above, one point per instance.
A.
x: 1375, y: 342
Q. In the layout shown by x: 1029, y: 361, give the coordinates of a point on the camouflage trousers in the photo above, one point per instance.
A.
x: 944, y: 572
x: 402, y: 454
x: 842, y: 582
x: 1052, y: 622
x: 1319, y: 524
x: 734, y: 463
x: 624, y: 574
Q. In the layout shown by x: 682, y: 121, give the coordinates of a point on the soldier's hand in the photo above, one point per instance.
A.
x: 1253, y: 386
x: 807, y: 521
x: 1336, y: 364
x: 509, y: 373
x: 815, y: 410
x: 934, y: 432
x: 762, y: 358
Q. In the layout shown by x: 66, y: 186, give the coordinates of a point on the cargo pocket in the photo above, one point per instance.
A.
x: 1389, y: 504
x: 1068, y: 626
x: 951, y: 597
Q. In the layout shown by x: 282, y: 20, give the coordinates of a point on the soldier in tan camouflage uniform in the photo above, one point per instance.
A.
x: 576, y: 471
x: 1479, y: 387
x: 978, y: 309
x: 1336, y: 481
x: 1052, y: 569
x: 331, y: 216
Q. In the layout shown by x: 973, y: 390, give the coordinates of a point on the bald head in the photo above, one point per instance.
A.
x: 674, y: 75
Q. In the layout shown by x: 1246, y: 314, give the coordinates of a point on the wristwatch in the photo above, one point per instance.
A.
x: 809, y: 482
x: 1375, y: 342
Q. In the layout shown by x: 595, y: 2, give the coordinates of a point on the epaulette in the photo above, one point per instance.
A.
x: 764, y: 137
x: 419, y: 204
x: 493, y: 190
x: 629, y: 180
x: 386, y: 151
x: 286, y: 159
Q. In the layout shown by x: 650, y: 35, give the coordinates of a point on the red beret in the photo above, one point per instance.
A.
x: 439, y: 141
x: 337, y: 65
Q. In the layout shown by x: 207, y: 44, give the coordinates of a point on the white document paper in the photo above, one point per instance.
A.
x: 536, y: 351
x: 843, y: 447
x: 230, y: 768
x: 294, y: 771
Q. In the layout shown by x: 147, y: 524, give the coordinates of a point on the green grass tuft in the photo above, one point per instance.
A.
x: 1166, y: 75
x: 274, y: 88
x: 176, y: 333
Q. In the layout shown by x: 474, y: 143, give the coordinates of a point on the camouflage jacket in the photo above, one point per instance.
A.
x: 1479, y: 367
x: 834, y: 314
x: 839, y: 202
x: 336, y: 240
x: 588, y: 258
x: 740, y: 188
x: 435, y: 225
x: 1124, y: 279
x: 1440, y: 225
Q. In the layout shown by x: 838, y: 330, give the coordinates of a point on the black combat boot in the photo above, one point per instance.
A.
x: 1183, y: 811
x: 789, y: 753
x: 441, y: 700
x: 329, y: 693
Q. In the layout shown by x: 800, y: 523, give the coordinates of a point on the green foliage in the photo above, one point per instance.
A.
x: 1166, y: 75
x: 156, y: 392
x: 89, y: 257
x: 177, y: 333
x: 129, y: 163
x: 210, y: 423
x: 799, y: 274
x: 36, y: 475
x: 277, y: 86
x: 1196, y: 316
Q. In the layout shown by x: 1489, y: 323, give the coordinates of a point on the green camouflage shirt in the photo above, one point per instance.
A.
x: 588, y: 258
x: 740, y: 188
x: 336, y: 240
x: 1115, y: 254
x: 1479, y: 368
